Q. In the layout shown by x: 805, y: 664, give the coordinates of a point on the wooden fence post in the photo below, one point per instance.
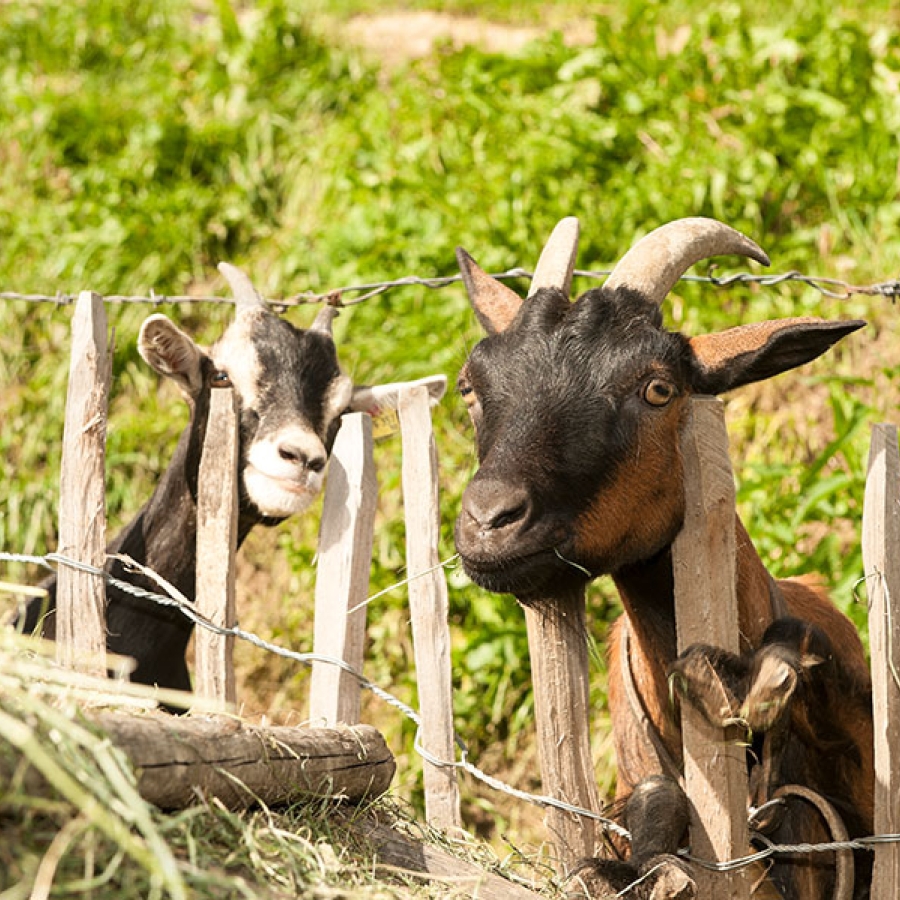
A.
x: 706, y: 611
x: 342, y: 578
x: 881, y: 541
x: 217, y: 515
x: 428, y: 606
x: 560, y: 669
x: 81, y: 597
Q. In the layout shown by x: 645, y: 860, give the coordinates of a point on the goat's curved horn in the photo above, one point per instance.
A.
x: 245, y: 295
x: 324, y: 317
x: 557, y: 262
x: 656, y: 262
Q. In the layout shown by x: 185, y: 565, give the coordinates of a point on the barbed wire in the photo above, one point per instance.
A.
x: 830, y: 287
x: 178, y: 601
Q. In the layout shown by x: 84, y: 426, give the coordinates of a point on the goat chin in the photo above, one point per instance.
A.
x: 279, y: 497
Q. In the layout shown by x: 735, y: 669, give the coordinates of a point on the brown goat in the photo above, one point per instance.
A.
x: 577, y: 409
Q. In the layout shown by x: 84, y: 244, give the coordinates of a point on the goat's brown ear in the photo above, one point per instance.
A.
x: 729, y: 359
x: 494, y: 303
x: 171, y: 352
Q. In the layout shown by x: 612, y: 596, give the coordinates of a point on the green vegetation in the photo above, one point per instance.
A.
x: 144, y: 142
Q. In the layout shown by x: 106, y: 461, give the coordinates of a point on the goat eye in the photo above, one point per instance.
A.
x: 220, y: 379
x: 467, y: 392
x: 658, y: 392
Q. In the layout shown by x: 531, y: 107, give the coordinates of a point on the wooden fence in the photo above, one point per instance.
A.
x: 704, y: 559
x: 345, y: 547
x: 706, y: 611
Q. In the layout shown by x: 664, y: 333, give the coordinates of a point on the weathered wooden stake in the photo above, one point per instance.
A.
x: 428, y: 606
x: 217, y: 514
x: 560, y: 669
x: 342, y: 577
x: 81, y: 597
x: 880, y: 546
x: 706, y: 611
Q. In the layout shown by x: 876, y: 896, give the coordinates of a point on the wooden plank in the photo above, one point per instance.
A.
x: 81, y: 597
x: 560, y: 668
x: 880, y: 540
x: 239, y: 764
x: 706, y: 611
x: 217, y: 519
x: 429, y: 607
x: 342, y: 577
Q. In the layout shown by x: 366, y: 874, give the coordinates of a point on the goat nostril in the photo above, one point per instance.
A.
x: 496, y: 507
x: 293, y: 454
x: 289, y: 453
x: 509, y: 516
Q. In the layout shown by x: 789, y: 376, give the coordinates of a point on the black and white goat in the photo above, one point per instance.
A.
x: 291, y: 393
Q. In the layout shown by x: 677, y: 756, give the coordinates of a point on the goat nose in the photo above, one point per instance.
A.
x: 293, y: 454
x: 494, y: 506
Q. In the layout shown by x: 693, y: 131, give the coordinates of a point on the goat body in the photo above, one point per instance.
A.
x: 577, y: 409
x: 291, y: 393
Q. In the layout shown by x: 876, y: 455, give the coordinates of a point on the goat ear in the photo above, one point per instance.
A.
x: 494, y: 303
x: 729, y: 359
x: 171, y: 352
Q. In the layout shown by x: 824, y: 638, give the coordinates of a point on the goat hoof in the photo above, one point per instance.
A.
x: 600, y: 879
x: 662, y: 877
x: 774, y: 684
x: 708, y: 679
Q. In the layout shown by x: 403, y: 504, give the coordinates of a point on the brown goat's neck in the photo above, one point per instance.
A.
x: 647, y: 591
x: 649, y: 631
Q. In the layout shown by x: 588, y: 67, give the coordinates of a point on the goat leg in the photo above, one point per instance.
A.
x: 656, y: 814
x: 712, y: 681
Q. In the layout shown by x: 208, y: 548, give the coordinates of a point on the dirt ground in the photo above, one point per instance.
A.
x: 397, y: 37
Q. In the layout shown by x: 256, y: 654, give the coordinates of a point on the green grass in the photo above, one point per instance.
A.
x: 142, y: 143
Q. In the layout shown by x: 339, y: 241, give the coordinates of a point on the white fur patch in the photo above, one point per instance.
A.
x: 234, y: 354
x: 278, y: 477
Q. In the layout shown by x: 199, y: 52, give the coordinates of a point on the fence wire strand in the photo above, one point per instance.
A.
x: 828, y: 287
x: 177, y: 600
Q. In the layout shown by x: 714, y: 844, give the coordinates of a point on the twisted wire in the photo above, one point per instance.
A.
x: 180, y: 602
x: 830, y: 287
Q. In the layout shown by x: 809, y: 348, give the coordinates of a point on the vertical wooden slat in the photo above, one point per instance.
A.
x: 428, y: 605
x: 557, y: 643
x: 217, y: 515
x: 706, y: 612
x: 81, y: 597
x: 881, y: 558
x: 342, y: 577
